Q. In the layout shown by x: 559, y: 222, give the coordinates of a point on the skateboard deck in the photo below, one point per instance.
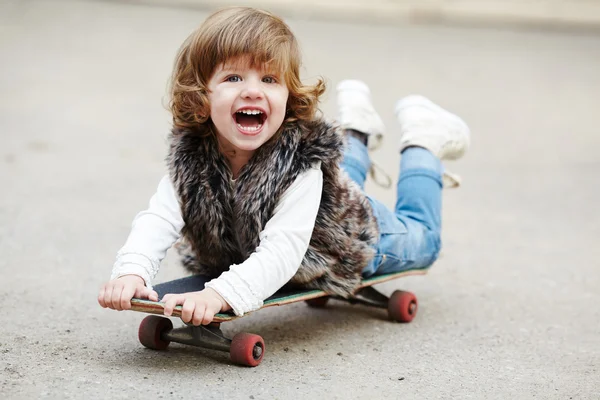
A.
x: 156, y: 332
x: 280, y: 298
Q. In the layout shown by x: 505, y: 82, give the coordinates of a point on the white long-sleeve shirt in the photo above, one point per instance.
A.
x: 283, y: 243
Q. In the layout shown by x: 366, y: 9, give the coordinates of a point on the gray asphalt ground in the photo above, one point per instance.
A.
x: 511, y: 310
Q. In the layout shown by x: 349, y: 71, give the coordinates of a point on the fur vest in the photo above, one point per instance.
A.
x: 222, y: 223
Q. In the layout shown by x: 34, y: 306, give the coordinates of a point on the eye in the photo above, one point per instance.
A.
x: 233, y: 78
x: 269, y: 79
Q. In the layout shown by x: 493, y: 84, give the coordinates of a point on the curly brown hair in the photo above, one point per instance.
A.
x: 225, y: 36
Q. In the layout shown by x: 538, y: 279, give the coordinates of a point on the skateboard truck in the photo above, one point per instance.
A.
x: 209, y: 336
x: 157, y: 332
x: 402, y: 306
x: 370, y: 297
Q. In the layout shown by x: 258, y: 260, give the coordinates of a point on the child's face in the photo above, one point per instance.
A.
x: 247, y: 105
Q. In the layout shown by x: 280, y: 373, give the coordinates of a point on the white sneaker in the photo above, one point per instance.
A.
x: 425, y: 124
x: 355, y: 111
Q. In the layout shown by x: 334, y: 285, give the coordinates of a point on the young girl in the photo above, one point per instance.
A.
x: 260, y: 190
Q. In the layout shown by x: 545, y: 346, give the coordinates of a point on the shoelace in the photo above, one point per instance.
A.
x: 374, y: 170
x: 383, y: 179
x: 373, y: 144
x: 450, y: 180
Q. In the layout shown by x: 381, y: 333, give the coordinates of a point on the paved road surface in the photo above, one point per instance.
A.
x: 511, y: 310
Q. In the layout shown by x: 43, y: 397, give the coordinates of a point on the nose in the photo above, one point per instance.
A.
x: 252, y: 90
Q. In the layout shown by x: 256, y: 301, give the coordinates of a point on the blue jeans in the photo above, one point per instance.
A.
x: 409, y: 235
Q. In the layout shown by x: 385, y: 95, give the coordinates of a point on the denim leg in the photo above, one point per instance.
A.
x: 356, y: 161
x: 410, y: 235
x: 419, y: 188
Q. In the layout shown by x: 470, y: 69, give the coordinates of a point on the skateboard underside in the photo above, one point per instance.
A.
x: 157, y: 332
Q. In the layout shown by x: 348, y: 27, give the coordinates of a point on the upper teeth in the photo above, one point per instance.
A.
x: 250, y: 112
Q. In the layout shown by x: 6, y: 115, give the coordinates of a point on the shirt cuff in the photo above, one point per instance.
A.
x: 236, y: 293
x: 135, y: 264
x: 132, y: 269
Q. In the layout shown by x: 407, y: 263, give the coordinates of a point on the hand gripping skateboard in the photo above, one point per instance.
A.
x: 156, y: 332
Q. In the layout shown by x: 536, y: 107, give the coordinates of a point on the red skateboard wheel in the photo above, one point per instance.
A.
x: 150, y: 332
x: 402, y: 306
x: 247, y: 349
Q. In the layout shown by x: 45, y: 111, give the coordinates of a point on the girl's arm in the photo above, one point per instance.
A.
x: 283, y: 243
x: 153, y: 232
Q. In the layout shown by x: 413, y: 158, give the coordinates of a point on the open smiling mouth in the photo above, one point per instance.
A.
x: 250, y: 120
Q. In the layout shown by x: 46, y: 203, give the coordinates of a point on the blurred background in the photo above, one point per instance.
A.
x: 509, y: 311
x: 547, y: 13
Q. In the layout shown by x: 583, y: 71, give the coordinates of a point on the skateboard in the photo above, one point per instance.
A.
x: 156, y: 332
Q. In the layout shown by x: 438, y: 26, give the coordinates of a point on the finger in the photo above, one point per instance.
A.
x: 108, y: 295
x: 126, y: 296
x: 152, y: 295
x: 187, y: 311
x: 199, y: 314
x: 170, y: 304
x: 101, y: 296
x: 208, y: 317
x: 116, y: 296
x: 145, y: 293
